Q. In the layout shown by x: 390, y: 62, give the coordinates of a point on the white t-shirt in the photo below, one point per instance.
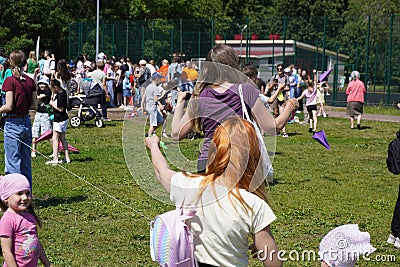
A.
x: 220, y: 231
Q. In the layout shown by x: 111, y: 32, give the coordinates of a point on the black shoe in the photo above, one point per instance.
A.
x: 146, y: 135
x: 358, y: 126
x: 310, y: 130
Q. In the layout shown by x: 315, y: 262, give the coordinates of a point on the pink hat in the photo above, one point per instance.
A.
x: 11, y: 184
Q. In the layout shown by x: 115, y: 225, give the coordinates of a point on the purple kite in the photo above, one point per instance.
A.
x: 320, y: 137
x: 324, y: 75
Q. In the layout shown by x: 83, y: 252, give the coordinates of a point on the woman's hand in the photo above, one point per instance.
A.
x: 152, y: 141
x: 182, y: 96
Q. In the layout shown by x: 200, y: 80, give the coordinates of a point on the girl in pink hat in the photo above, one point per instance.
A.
x: 18, y: 235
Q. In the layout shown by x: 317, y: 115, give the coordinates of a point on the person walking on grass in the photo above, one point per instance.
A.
x: 230, y: 198
x: 59, y: 104
x: 18, y: 225
x: 151, y: 96
x: 311, y: 104
x: 42, y: 121
x: 355, y: 99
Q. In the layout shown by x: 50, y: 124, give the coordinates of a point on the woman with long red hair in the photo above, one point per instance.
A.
x: 230, y: 198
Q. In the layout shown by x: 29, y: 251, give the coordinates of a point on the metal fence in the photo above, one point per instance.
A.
x: 373, y: 47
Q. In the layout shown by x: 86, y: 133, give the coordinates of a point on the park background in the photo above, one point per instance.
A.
x: 92, y: 209
x: 367, y: 32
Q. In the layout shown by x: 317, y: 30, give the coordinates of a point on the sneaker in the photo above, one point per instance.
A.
x: 33, y: 154
x: 310, y: 130
x: 324, y: 115
x: 122, y: 106
x: 391, y: 239
x: 285, y: 135
x: 290, y: 122
x: 397, y: 243
x: 165, y: 135
x: 327, y: 93
x: 358, y: 126
x: 319, y: 115
x: 66, y: 161
x: 53, y: 162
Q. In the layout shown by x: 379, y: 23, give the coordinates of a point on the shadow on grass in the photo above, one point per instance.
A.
x: 85, y: 159
x: 55, y: 201
x: 330, y: 179
x: 365, y: 127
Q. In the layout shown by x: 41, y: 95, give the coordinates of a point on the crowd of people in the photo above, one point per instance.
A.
x: 211, y: 100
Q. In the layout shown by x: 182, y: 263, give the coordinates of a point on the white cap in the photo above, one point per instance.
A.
x: 287, y: 70
x: 101, y: 55
x: 142, y: 62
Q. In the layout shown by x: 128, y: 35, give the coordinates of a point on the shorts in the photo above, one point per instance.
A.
x: 126, y: 93
x: 355, y: 108
x: 41, y: 124
x: 155, y: 118
x: 310, y: 108
x: 60, y: 127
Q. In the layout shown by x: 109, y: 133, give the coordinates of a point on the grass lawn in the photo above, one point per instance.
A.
x: 95, y: 210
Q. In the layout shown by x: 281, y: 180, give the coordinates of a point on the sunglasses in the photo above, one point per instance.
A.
x: 279, y: 69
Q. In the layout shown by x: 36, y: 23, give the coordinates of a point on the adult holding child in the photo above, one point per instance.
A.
x: 20, y: 95
x: 215, y: 98
x: 229, y: 208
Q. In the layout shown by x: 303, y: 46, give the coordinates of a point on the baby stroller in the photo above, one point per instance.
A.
x: 92, y: 98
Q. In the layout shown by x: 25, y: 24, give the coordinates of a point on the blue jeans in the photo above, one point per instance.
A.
x: 110, y: 89
x: 17, y: 146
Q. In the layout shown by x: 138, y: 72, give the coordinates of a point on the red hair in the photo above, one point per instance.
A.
x: 233, y: 158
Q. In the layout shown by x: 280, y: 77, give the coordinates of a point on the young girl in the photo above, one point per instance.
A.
x: 18, y: 235
x: 230, y: 198
x: 59, y: 103
x: 126, y: 85
x: 311, y: 105
x: 41, y: 122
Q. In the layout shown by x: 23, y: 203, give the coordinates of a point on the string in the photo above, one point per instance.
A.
x: 83, y: 180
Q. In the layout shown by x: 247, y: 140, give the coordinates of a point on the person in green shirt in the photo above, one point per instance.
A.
x: 32, y: 64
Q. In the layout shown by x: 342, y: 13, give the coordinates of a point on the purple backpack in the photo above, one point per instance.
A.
x: 171, y: 242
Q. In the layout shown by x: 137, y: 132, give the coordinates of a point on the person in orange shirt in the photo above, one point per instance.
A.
x: 189, y: 77
x: 163, y: 70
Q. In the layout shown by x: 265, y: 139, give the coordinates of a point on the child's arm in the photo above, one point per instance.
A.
x: 6, y: 247
x: 43, y: 257
x: 301, y: 97
x: 275, y: 95
x: 163, y: 172
x: 265, y: 247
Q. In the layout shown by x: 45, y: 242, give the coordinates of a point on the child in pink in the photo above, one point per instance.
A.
x: 311, y: 104
x: 18, y: 235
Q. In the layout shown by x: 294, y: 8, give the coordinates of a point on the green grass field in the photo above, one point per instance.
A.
x: 94, y: 212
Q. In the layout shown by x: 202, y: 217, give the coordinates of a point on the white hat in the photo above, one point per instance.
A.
x: 44, y: 80
x: 87, y: 64
x: 344, y: 245
x: 142, y: 62
x: 287, y: 70
x: 101, y: 55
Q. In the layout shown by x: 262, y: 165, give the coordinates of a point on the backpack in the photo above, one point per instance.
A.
x: 393, y: 159
x: 171, y: 242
